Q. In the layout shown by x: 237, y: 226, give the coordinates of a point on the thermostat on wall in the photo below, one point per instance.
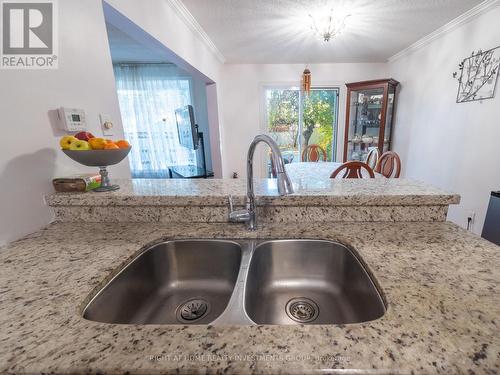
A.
x: 73, y: 120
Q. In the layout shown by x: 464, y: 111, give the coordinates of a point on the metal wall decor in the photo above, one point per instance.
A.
x: 477, y: 75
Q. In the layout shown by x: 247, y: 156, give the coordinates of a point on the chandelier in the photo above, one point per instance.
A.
x: 327, y: 26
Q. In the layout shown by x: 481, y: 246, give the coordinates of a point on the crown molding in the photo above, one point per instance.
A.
x: 478, y: 10
x: 191, y: 22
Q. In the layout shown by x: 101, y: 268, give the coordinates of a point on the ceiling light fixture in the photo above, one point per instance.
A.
x: 327, y: 26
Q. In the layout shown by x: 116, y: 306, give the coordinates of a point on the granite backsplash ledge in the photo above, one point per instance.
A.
x: 382, y: 200
x: 271, y: 214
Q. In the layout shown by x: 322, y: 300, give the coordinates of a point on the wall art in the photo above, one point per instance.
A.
x: 477, y: 75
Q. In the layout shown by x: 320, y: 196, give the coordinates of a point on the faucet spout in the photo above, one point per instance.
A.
x: 284, y: 184
x: 283, y: 181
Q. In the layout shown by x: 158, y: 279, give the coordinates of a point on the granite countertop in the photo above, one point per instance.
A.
x: 307, y: 170
x: 344, y: 192
x: 440, y: 282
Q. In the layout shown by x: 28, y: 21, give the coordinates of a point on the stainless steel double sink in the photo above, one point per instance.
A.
x: 241, y: 282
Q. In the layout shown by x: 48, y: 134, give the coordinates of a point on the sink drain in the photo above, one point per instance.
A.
x: 192, y: 310
x: 302, y: 310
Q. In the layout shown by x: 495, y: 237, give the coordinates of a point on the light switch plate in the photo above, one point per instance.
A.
x: 107, y: 125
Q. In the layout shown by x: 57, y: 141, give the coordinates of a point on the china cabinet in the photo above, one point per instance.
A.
x: 369, y: 117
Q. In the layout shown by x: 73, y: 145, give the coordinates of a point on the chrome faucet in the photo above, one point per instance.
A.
x: 247, y: 215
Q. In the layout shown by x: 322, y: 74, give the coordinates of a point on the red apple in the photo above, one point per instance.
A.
x: 84, y: 136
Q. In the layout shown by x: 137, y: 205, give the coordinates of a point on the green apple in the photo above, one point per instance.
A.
x: 80, y: 146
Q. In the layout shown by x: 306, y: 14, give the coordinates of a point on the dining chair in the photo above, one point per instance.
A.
x: 353, y: 169
x: 313, y: 153
x: 372, y: 158
x: 389, y: 165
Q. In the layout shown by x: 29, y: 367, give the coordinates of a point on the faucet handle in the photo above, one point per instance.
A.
x: 231, y: 203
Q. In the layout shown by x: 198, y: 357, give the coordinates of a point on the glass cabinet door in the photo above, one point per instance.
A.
x: 365, y: 114
x: 370, y: 108
x: 391, y: 96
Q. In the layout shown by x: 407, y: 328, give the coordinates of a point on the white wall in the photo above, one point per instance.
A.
x: 162, y: 22
x: 453, y: 146
x: 242, y: 94
x: 30, y: 155
x: 216, y: 137
x: 201, y: 113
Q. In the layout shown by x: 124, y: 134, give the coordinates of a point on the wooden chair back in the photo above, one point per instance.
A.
x: 353, y: 169
x: 313, y: 153
x: 389, y: 165
x: 372, y: 158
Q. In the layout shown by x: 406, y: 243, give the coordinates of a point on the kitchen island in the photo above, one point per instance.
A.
x: 314, y: 200
x: 440, y: 284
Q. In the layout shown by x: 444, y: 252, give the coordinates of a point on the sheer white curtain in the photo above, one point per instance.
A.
x: 148, y: 95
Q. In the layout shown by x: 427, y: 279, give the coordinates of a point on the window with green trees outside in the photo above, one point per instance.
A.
x: 295, y: 119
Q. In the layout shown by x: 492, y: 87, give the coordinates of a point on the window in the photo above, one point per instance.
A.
x: 148, y: 95
x: 296, y: 120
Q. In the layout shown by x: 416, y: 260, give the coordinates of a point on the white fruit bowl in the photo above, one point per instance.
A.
x: 101, y: 159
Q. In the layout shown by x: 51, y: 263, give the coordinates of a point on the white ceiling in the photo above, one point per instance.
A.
x: 126, y: 49
x: 278, y: 31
